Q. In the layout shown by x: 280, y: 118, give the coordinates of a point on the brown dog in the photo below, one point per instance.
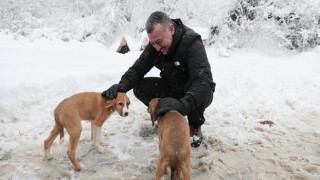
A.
x: 83, y: 106
x: 174, y: 143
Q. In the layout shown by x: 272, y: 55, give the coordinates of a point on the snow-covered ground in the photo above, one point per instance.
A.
x: 251, y: 87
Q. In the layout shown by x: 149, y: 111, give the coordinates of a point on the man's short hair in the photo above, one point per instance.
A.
x: 155, y: 18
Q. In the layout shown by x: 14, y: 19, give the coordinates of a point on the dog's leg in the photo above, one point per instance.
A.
x: 48, y: 142
x: 92, y: 131
x: 74, y: 133
x: 161, y: 168
x: 96, y: 138
x: 187, y: 171
x: 181, y: 172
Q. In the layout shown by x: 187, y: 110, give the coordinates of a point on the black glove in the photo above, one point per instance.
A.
x: 112, y: 92
x: 167, y: 104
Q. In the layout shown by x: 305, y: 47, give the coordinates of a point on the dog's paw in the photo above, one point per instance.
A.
x: 47, y: 155
x: 101, y: 149
x: 80, y: 167
x: 48, y: 158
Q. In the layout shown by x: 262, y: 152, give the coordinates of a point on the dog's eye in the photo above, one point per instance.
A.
x: 121, y: 104
x: 128, y: 103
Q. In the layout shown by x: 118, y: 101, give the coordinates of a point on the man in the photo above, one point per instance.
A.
x: 185, y: 83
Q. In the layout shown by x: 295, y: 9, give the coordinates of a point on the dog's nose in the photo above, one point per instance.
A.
x: 126, y: 114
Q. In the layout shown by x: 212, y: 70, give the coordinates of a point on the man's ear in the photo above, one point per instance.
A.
x: 171, y: 29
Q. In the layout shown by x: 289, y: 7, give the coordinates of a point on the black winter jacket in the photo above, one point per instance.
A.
x: 185, y: 67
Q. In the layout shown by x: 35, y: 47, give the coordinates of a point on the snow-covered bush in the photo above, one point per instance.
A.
x: 298, y: 26
x: 67, y: 20
x: 252, y: 23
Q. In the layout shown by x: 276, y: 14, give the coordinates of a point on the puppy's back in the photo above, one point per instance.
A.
x: 85, y: 104
x: 176, y: 122
x: 175, y: 135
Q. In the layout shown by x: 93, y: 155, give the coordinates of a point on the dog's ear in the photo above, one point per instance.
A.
x: 152, y: 110
x: 110, y: 103
x: 153, y: 115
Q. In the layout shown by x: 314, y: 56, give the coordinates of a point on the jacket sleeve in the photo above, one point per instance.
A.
x: 139, y: 69
x: 201, y: 83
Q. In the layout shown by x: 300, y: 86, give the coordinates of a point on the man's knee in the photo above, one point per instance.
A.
x: 150, y: 87
x: 141, y: 95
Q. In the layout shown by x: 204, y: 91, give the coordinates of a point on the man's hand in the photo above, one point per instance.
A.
x: 112, y: 92
x: 167, y: 104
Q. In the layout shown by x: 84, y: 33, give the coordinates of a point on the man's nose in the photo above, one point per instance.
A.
x: 157, y: 47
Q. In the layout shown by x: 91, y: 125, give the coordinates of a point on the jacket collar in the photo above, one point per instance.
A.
x: 177, y: 36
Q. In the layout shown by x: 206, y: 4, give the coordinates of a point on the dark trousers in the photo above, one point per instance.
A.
x: 154, y: 87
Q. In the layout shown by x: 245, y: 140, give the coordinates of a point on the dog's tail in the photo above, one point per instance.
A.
x: 60, y: 129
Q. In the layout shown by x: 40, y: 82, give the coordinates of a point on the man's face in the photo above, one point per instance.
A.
x: 160, y: 38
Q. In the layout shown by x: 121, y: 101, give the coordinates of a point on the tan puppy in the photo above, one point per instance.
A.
x: 83, y: 106
x: 174, y: 143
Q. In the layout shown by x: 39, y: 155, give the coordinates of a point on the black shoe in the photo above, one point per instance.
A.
x: 195, y: 136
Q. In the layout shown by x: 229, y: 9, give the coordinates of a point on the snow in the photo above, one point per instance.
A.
x: 202, y: 31
x: 251, y: 87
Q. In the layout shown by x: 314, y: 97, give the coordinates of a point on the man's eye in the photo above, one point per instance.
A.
x: 159, y: 42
